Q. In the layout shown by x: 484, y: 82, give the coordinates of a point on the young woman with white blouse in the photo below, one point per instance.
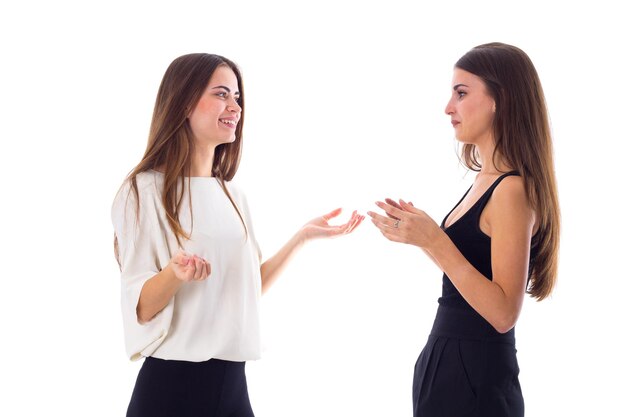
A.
x: 191, y: 268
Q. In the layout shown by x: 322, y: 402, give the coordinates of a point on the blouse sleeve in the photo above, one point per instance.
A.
x: 143, y: 251
x: 245, y: 207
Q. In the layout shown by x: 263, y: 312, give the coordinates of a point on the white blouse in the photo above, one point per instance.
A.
x: 214, y: 318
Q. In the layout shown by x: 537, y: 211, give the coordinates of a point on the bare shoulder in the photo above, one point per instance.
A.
x: 510, y: 191
x: 508, y: 207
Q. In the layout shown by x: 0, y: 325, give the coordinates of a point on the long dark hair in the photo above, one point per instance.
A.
x: 523, y: 140
x: 171, y: 141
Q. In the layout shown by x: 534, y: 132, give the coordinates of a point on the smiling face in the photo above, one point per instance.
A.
x: 214, y: 119
x: 471, y: 108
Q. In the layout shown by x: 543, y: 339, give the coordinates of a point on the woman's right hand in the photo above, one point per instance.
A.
x: 188, y: 267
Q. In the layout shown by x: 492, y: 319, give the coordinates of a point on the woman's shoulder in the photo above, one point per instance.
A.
x: 235, y: 189
x: 148, y: 185
x: 510, y: 187
x: 510, y: 197
x: 149, y: 181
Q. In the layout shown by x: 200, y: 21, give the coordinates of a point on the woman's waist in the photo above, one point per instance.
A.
x: 465, y: 323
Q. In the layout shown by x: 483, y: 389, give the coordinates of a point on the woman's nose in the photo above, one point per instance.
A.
x: 449, y: 107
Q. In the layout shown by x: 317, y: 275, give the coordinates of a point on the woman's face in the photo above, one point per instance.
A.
x: 471, y: 108
x: 215, y: 117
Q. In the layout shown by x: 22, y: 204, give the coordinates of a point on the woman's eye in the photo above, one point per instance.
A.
x: 222, y: 94
x: 461, y: 94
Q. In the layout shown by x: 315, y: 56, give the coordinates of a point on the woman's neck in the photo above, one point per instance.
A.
x: 202, y: 161
x: 491, y: 163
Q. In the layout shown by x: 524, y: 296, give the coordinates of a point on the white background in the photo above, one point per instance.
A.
x: 344, y: 107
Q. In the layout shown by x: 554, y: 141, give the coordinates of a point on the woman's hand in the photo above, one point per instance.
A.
x: 405, y: 223
x: 188, y: 267
x: 316, y: 228
x: 319, y: 227
x: 159, y: 290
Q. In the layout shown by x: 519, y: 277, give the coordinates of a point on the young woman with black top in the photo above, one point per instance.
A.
x: 499, y: 242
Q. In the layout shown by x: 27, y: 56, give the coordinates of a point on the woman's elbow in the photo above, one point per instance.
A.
x: 504, y: 327
x: 505, y: 322
x: 144, y: 317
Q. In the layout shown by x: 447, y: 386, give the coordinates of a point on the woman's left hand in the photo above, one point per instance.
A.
x: 405, y: 223
x: 319, y: 227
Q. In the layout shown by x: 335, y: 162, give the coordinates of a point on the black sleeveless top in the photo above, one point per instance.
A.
x: 475, y: 245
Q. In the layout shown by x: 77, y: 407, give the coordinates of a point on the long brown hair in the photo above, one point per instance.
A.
x: 171, y: 141
x: 522, y: 138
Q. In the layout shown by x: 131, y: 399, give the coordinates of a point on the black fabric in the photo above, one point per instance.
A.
x: 169, y: 388
x: 467, y: 368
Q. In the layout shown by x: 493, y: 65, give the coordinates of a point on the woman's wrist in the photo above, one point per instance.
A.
x: 437, y: 244
x: 169, y: 275
x: 301, y: 237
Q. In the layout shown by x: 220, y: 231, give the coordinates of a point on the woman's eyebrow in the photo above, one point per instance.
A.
x: 225, y: 88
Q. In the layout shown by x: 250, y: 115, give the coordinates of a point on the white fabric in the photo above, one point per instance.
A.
x: 215, y: 318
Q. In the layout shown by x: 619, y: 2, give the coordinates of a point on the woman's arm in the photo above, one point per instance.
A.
x: 157, y: 292
x: 508, y: 219
x: 316, y: 228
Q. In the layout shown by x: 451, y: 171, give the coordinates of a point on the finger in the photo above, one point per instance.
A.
x: 189, y: 270
x: 201, y: 269
x: 359, y: 220
x: 381, y: 222
x: 348, y: 225
x: 198, y: 264
x: 379, y: 219
x: 398, y: 214
x: 205, y: 269
x: 408, y: 206
x: 181, y: 258
x: 351, y: 225
x: 386, y: 221
x: 332, y: 214
x: 355, y: 224
x: 387, y: 232
x: 393, y: 204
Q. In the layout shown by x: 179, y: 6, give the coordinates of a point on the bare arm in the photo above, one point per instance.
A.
x: 157, y: 292
x: 509, y: 220
x: 272, y: 268
x: 316, y: 228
